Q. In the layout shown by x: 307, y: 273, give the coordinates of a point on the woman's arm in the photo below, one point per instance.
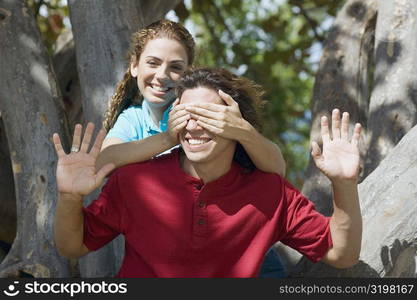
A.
x: 120, y: 153
x: 265, y: 154
x: 227, y: 121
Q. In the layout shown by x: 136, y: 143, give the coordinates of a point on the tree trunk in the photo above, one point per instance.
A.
x: 65, y: 66
x: 7, y: 193
x: 393, y: 106
x: 102, y: 32
x: 31, y: 110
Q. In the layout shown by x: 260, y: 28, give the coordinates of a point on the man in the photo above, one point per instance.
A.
x: 203, y: 210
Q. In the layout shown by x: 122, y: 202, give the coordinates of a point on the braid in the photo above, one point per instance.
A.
x: 126, y: 93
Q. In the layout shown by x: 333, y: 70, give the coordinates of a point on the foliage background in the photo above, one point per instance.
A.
x: 276, y: 43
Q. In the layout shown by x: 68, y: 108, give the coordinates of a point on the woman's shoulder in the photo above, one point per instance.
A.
x: 129, y: 124
x: 133, y: 110
x: 134, y: 114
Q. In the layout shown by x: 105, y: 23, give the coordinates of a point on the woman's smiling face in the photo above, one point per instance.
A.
x: 160, y: 66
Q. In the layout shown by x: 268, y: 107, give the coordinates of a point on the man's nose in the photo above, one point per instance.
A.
x: 192, y: 125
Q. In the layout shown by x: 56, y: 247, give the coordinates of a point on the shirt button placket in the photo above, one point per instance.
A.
x: 200, y: 215
x: 201, y: 221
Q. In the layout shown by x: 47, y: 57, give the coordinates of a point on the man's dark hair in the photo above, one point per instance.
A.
x: 245, y: 92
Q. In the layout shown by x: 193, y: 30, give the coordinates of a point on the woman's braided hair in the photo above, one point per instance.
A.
x: 127, y: 91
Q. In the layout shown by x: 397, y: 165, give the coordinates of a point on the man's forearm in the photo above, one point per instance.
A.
x: 345, y: 224
x: 265, y: 154
x: 68, y: 226
x: 136, y: 151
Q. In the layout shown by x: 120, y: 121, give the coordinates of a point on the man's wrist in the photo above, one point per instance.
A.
x: 70, y: 197
x: 344, y: 182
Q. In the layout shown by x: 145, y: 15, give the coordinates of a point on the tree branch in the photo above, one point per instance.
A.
x: 311, y: 21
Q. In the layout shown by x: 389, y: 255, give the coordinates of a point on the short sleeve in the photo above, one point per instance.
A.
x: 103, y: 217
x: 126, y: 126
x: 306, y: 230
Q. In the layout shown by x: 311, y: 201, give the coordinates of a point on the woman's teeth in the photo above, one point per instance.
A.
x: 160, y: 89
x: 197, y: 141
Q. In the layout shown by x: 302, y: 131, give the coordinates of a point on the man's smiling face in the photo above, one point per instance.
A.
x: 201, y: 146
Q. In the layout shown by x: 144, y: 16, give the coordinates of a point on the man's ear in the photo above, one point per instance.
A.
x: 134, y: 64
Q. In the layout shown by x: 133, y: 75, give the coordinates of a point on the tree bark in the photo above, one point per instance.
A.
x: 102, y: 31
x: 393, y: 105
x: 65, y: 66
x: 32, y: 111
x: 7, y: 193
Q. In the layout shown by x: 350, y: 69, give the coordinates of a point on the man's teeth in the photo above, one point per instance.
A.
x: 160, y: 89
x: 197, y: 142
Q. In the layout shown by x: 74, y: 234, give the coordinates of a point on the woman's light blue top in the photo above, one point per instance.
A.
x: 135, y: 123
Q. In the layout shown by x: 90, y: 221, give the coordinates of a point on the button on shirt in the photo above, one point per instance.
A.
x: 175, y: 225
x: 135, y: 123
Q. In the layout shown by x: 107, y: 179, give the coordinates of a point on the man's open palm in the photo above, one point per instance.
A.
x: 340, y: 156
x: 76, y: 173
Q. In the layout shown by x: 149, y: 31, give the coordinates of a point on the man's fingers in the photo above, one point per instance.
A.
x: 58, y: 146
x: 344, y: 134
x: 336, y: 124
x: 87, y: 137
x: 315, y: 150
x: 103, y: 172
x: 356, y: 134
x: 316, y: 154
x: 324, y: 129
x: 95, y: 150
x: 227, y: 98
x: 76, y: 139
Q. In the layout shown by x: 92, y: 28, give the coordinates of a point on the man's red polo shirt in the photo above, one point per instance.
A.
x: 177, y: 226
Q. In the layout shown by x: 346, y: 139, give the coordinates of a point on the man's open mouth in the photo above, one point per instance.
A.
x: 197, y: 141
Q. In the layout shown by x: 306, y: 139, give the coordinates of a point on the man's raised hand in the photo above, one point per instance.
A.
x: 340, y: 157
x: 76, y: 172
